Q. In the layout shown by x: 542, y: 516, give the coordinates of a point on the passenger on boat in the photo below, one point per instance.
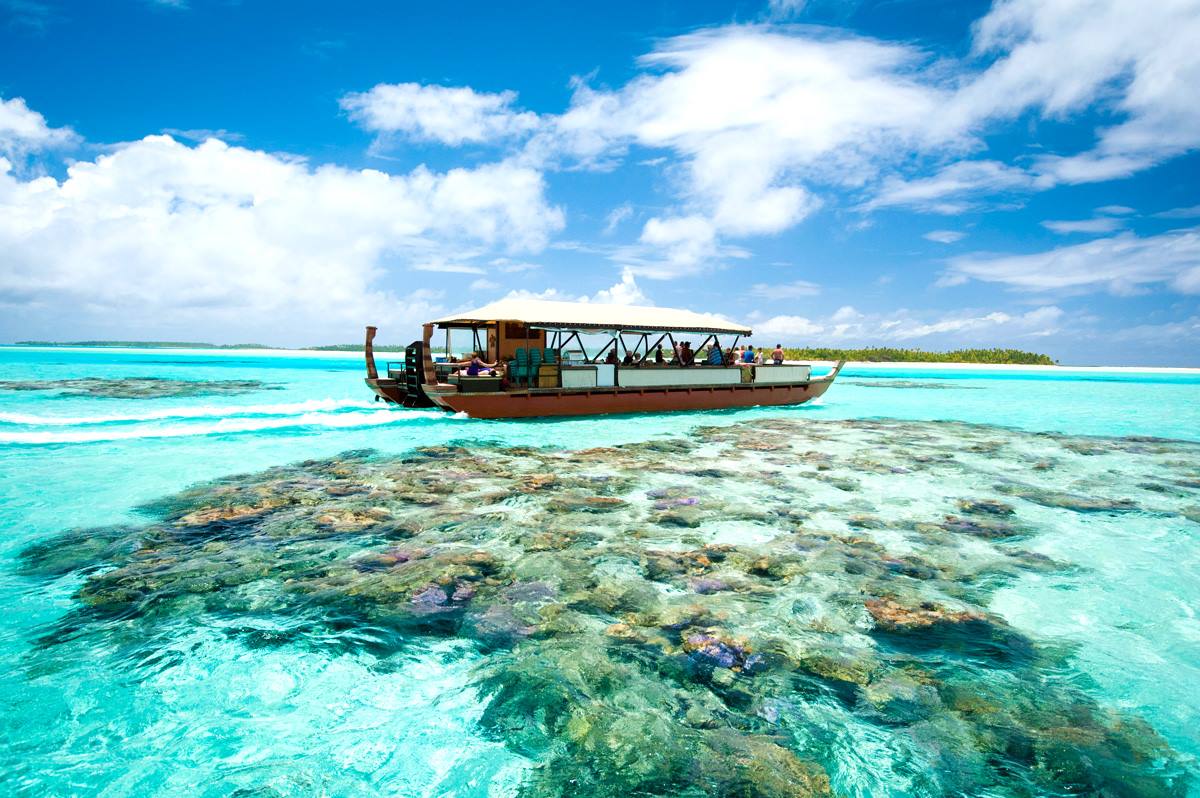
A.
x: 686, y: 356
x: 501, y: 371
x: 612, y: 358
x: 659, y: 359
x: 777, y: 355
x: 748, y: 354
x: 628, y: 360
x: 715, y: 356
x: 474, y: 367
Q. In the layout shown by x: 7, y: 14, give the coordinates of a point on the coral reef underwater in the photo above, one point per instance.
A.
x: 137, y: 387
x: 799, y: 610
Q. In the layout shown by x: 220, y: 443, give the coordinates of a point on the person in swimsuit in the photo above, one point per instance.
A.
x: 475, y: 367
x: 777, y: 355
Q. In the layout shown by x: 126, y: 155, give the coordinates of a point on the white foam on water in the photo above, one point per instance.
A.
x: 201, y: 411
x: 225, y: 426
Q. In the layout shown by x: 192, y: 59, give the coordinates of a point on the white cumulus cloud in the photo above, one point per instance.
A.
x: 23, y: 130
x: 625, y: 292
x: 449, y: 115
x: 159, y: 237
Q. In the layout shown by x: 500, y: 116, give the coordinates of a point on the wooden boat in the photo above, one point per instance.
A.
x: 548, y: 371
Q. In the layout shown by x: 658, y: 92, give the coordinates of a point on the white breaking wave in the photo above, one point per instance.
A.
x: 227, y: 425
x: 202, y: 411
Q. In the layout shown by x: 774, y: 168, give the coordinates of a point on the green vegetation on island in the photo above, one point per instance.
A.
x: 887, y: 354
x: 354, y: 348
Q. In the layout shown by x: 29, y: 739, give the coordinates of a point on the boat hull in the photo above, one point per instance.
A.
x: 535, y: 403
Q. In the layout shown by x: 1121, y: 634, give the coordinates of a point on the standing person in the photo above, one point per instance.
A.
x: 777, y: 355
x: 748, y: 355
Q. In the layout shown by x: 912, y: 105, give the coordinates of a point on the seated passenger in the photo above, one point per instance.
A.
x: 777, y: 355
x: 628, y: 360
x: 748, y: 355
x: 612, y: 358
x: 474, y: 366
x: 715, y: 356
x: 658, y: 355
x: 686, y: 356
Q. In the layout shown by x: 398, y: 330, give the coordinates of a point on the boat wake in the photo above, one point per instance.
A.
x: 201, y: 411
x: 236, y: 420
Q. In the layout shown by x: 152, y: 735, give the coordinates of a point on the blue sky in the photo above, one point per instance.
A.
x: 928, y: 174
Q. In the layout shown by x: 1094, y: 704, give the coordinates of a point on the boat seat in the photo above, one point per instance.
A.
x: 518, y: 367
x: 478, y: 384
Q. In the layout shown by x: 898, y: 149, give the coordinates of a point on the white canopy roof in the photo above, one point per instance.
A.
x: 594, y: 316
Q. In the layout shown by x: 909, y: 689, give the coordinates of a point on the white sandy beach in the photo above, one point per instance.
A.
x: 866, y: 365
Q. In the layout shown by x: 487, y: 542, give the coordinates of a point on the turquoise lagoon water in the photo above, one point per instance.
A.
x: 190, y: 708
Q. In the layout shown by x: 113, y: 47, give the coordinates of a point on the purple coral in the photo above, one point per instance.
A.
x: 705, y: 586
x: 429, y: 599
x: 709, y: 650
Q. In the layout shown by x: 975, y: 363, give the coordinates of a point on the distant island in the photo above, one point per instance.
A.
x: 887, y: 354
x: 359, y: 348
x: 202, y: 345
x: 880, y: 354
x: 145, y: 344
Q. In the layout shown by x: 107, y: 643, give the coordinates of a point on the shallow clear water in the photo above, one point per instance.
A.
x: 193, y: 705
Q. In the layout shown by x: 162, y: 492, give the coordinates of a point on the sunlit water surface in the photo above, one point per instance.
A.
x: 197, y: 711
